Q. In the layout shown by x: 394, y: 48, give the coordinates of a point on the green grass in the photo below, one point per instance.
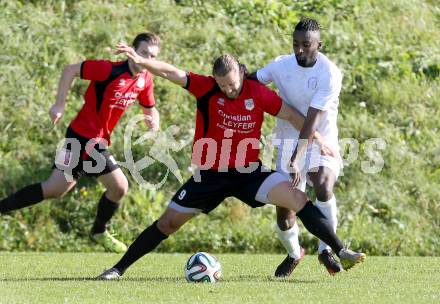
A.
x: 158, y: 278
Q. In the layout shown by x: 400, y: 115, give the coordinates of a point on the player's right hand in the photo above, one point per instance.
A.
x: 55, y: 113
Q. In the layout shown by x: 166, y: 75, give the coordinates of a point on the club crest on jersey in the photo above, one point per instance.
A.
x: 140, y: 83
x: 221, y: 101
x: 249, y: 104
x: 312, y: 83
x: 121, y: 82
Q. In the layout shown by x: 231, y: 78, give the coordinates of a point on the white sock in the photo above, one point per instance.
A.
x: 330, y: 210
x: 289, y: 239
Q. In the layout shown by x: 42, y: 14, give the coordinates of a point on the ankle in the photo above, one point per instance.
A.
x: 98, y: 228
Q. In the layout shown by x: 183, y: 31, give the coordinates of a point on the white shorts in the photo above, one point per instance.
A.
x: 311, y: 163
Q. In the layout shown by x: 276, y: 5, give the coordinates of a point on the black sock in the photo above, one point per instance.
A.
x: 24, y: 197
x: 149, y: 239
x: 317, y: 224
x: 106, y: 209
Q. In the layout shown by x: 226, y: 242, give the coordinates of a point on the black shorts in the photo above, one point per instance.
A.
x: 213, y: 187
x: 80, y: 157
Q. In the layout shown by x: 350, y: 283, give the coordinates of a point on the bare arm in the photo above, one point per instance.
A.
x: 305, y: 138
x: 296, y: 119
x: 307, y: 132
x: 70, y: 72
x: 152, y: 119
x: 292, y: 115
x: 158, y: 68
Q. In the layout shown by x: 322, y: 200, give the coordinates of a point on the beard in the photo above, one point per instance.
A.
x: 232, y: 95
x: 302, y: 60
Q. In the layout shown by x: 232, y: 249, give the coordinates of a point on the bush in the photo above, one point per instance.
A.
x: 388, y: 51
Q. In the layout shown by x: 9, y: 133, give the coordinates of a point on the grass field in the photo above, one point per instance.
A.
x: 158, y: 278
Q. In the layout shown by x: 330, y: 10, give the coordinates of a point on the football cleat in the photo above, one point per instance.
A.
x: 109, y: 242
x: 327, y: 259
x: 109, y: 275
x: 350, y: 258
x: 287, y: 266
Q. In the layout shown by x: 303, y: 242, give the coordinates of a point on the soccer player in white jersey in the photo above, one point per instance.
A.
x: 311, y: 83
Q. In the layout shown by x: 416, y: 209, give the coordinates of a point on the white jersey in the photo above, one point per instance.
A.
x: 317, y: 87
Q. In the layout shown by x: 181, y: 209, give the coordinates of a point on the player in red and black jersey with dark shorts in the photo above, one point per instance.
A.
x: 230, y: 113
x: 114, y: 86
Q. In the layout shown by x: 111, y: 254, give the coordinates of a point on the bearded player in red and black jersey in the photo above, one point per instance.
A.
x: 230, y: 113
x: 114, y: 86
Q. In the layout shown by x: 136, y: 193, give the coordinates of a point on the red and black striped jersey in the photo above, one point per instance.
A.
x: 228, y: 130
x: 111, y: 91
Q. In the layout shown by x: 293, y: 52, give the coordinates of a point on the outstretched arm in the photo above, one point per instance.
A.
x: 70, y: 72
x: 158, y: 68
x: 292, y: 115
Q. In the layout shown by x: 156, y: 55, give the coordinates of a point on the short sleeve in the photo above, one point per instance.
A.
x: 199, y: 85
x: 146, y: 96
x: 98, y: 70
x: 270, y: 101
x: 264, y: 75
x: 328, y: 92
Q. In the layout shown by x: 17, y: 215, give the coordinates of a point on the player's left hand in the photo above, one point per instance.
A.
x: 327, y: 150
x: 152, y: 123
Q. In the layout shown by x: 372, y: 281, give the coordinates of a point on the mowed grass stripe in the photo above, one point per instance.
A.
x: 158, y: 278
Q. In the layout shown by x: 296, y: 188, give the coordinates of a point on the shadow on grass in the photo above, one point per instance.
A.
x: 242, y: 278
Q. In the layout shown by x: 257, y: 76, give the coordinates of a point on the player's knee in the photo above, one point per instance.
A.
x: 118, y: 192
x: 284, y: 196
x: 167, y: 226
x: 52, y: 191
x: 55, y: 193
x: 324, y: 192
x: 285, y: 218
x: 122, y: 190
x: 285, y: 224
